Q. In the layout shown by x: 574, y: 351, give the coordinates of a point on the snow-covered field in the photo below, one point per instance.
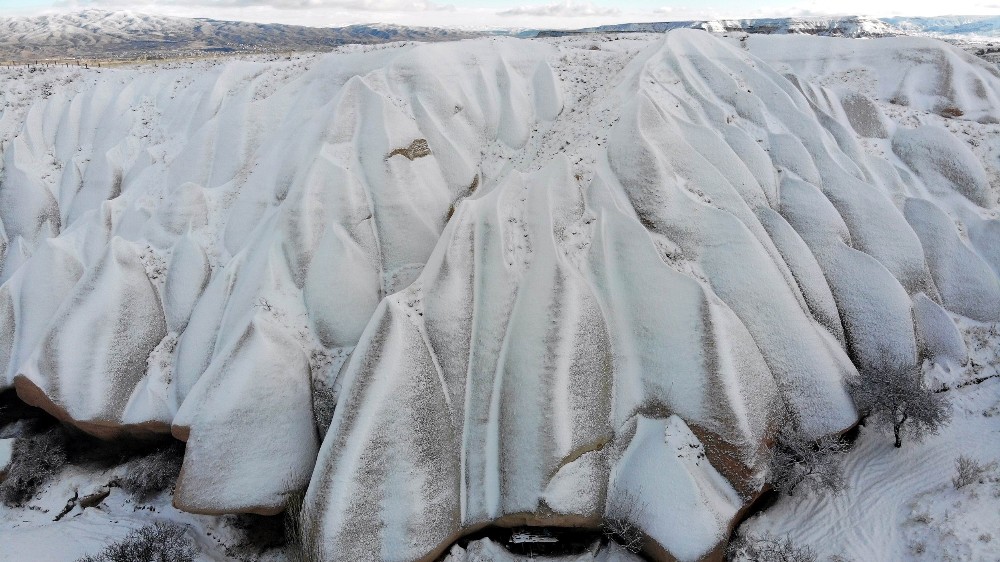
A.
x: 901, y: 504
x: 501, y: 282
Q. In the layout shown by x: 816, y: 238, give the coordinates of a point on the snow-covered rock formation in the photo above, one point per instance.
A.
x: 536, y: 281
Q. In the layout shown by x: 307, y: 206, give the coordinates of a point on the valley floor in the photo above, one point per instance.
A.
x: 901, y: 504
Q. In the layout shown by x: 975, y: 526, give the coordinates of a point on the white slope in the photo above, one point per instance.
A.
x: 519, y: 270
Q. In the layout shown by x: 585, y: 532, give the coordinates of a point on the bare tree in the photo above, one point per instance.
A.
x: 896, y: 398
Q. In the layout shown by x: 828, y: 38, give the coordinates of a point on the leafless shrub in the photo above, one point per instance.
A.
x: 767, y: 548
x: 812, y: 465
x: 159, y: 542
x: 257, y: 534
x: 152, y: 473
x: 923, y: 517
x: 969, y: 471
x: 619, y: 522
x: 33, y: 461
x: 895, y: 398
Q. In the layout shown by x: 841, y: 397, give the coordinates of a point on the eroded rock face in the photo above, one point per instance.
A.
x: 668, y: 247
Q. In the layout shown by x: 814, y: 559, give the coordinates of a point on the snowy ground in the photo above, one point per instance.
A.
x: 54, y: 527
x: 30, y: 534
x: 901, y: 504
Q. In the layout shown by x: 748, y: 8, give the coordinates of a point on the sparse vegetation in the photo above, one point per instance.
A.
x: 767, y: 548
x: 951, y: 112
x: 324, y: 401
x: 798, y: 463
x: 896, y: 399
x: 619, y: 522
x: 258, y: 534
x: 34, y: 460
x: 154, y: 472
x: 969, y: 471
x: 159, y: 542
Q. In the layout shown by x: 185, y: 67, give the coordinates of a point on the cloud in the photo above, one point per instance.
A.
x: 566, y: 9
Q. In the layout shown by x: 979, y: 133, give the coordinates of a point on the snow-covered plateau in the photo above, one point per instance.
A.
x: 501, y: 283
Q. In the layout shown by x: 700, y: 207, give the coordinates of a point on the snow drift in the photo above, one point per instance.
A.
x: 534, y: 280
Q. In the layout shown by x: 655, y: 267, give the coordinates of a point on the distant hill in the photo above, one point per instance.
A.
x: 846, y: 26
x: 851, y: 26
x: 985, y: 26
x: 129, y: 35
x: 105, y: 34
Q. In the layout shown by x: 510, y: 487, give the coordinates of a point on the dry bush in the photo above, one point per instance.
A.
x: 159, y: 542
x: 147, y: 475
x: 969, y: 471
x: 768, y: 548
x: 812, y: 465
x: 33, y: 461
x: 950, y: 112
x: 619, y: 523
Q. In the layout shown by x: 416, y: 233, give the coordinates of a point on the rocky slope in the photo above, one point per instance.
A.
x: 534, y: 281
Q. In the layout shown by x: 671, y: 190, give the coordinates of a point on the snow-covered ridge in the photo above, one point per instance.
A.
x: 121, y: 34
x: 523, y: 274
x: 846, y: 26
x: 983, y: 26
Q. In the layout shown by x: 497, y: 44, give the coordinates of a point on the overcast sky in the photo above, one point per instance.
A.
x: 498, y: 13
